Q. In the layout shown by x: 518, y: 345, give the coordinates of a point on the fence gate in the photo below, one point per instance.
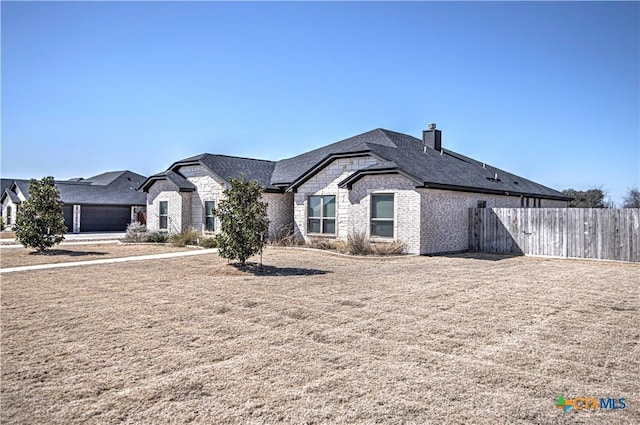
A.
x: 598, y: 233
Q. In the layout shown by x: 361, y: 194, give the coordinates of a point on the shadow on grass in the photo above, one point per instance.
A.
x: 68, y: 253
x: 263, y: 270
x: 487, y: 256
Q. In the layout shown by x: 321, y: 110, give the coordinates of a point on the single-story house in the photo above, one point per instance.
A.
x: 102, y: 203
x: 387, y: 185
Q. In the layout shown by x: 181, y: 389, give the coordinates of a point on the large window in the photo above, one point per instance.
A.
x: 382, y: 215
x: 164, y: 215
x: 209, y: 223
x: 322, y: 215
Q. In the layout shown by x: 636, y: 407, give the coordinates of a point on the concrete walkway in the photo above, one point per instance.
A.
x: 71, y: 237
x: 3, y: 246
x: 109, y: 260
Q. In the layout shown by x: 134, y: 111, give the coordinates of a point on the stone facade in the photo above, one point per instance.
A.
x: 279, y: 213
x: 178, y: 203
x: 406, y: 204
x: 9, y: 206
x: 325, y: 182
x: 444, y: 221
x: 428, y: 221
x: 187, y: 209
x: 9, y: 210
x: 210, y: 188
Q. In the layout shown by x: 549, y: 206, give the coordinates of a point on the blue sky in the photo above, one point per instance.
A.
x: 549, y: 91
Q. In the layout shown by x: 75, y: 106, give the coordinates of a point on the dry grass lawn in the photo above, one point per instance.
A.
x: 318, y: 338
x: 14, y: 257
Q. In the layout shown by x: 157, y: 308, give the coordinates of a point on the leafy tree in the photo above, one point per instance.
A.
x: 39, y: 221
x: 592, y: 198
x: 632, y: 198
x: 243, y: 220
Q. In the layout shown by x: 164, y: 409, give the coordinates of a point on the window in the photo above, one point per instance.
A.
x: 382, y: 215
x: 164, y: 215
x: 209, y: 223
x: 321, y: 217
x: 482, y: 204
x: 8, y: 215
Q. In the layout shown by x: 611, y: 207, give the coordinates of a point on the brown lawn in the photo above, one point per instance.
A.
x: 14, y: 257
x: 321, y: 339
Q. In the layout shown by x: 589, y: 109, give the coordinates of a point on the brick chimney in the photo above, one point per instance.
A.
x: 432, y: 138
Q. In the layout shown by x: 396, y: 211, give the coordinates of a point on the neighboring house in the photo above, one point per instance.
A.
x: 106, y: 202
x: 388, y: 185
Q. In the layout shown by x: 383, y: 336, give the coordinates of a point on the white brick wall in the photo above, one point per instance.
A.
x: 427, y: 220
x: 444, y: 222
x: 186, y: 209
x: 279, y: 212
x: 406, y: 207
x: 325, y: 182
x: 5, y: 218
x: 179, y: 204
x: 209, y: 188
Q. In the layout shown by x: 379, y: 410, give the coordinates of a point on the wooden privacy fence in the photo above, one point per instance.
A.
x: 599, y: 233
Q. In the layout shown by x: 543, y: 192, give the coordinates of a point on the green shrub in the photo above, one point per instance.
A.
x: 39, y: 221
x: 156, y: 237
x: 186, y: 237
x: 244, y: 225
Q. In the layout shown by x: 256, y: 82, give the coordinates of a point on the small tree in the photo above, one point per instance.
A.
x: 632, y: 198
x: 592, y: 198
x: 243, y: 220
x: 39, y: 221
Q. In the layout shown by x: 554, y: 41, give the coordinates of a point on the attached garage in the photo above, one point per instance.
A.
x: 104, y: 218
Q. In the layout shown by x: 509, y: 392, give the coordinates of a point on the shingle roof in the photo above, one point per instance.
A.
x: 234, y: 167
x: 435, y: 169
x: 398, y: 153
x: 183, y: 184
x: 14, y: 198
x: 107, y: 178
x: 224, y: 166
x: 288, y: 170
x: 115, y: 188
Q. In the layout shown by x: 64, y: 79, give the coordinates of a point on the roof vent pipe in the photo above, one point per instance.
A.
x: 432, y: 138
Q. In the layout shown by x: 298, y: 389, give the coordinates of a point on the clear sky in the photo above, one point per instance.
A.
x: 549, y: 91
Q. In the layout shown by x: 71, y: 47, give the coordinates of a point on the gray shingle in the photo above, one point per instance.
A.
x: 435, y: 169
x: 183, y: 184
x: 113, y: 188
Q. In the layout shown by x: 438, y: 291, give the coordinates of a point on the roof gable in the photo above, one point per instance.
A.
x: 289, y: 170
x: 426, y: 166
x: 112, y: 188
x: 177, y: 179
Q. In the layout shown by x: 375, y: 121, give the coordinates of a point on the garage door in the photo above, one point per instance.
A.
x: 67, y: 212
x: 104, y: 218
